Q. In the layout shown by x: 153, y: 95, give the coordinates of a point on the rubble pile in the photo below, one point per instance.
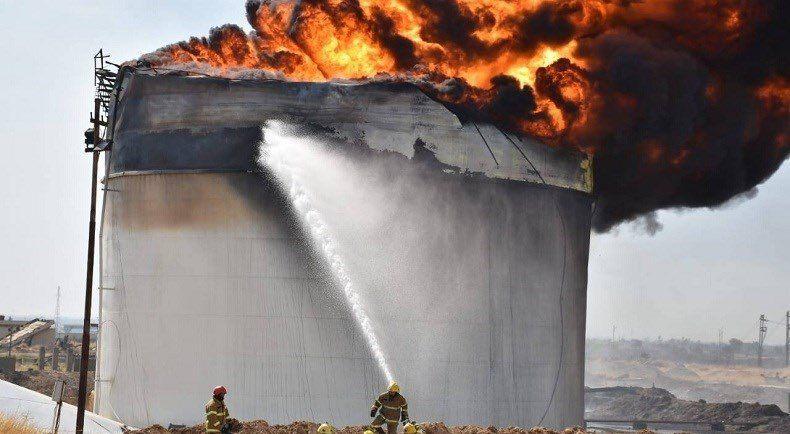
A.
x: 301, y: 427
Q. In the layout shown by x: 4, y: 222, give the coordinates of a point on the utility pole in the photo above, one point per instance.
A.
x: 104, y: 81
x: 57, y: 315
x: 720, y: 345
x: 787, y: 338
x: 761, y: 338
x: 86, y: 323
x: 11, y: 331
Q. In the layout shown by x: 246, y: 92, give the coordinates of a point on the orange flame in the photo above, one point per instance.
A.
x: 322, y: 40
x: 534, y: 41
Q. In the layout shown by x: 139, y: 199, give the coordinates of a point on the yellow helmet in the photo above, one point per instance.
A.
x: 394, y: 387
x: 367, y: 431
x: 409, y: 428
x: 326, y: 428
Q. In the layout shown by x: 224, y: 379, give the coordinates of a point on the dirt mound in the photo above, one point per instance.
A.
x: 659, y: 404
x: 301, y: 427
x: 441, y: 428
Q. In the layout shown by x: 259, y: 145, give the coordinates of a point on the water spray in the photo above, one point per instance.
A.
x: 276, y: 149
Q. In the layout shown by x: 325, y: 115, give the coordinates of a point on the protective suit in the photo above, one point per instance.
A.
x: 389, y: 408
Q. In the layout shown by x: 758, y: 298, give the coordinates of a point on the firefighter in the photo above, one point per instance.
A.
x: 326, y: 428
x: 389, y: 408
x: 217, y: 412
x: 412, y: 428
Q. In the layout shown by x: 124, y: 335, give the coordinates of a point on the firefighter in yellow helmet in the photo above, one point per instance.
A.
x: 217, y: 412
x: 389, y: 408
x: 326, y: 428
x: 413, y: 428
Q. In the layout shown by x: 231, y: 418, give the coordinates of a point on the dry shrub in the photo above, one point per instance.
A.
x: 17, y: 425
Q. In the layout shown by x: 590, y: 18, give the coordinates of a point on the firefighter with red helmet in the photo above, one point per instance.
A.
x: 217, y: 412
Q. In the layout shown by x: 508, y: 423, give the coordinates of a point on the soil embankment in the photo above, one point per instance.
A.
x: 261, y: 427
x: 636, y: 403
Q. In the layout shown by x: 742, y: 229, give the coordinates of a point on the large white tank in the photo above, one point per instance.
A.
x: 207, y: 277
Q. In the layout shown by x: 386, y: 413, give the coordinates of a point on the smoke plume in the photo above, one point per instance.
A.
x: 682, y: 103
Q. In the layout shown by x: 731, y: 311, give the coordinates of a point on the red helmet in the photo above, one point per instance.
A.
x: 220, y: 390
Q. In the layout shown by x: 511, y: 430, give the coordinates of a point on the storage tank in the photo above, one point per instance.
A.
x: 208, y: 278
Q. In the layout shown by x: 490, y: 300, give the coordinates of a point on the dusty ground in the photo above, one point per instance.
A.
x: 741, y: 375
x: 694, y: 381
x: 28, y: 376
x: 44, y: 381
x: 635, y: 403
x: 261, y: 427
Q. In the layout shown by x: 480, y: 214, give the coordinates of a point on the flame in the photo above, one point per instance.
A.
x: 474, y: 40
x: 524, y: 70
x: 323, y: 40
x: 774, y: 95
x: 775, y: 92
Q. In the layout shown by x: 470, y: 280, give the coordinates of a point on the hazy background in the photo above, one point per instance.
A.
x: 704, y: 271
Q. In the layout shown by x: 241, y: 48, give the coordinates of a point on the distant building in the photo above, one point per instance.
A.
x: 74, y: 332
x: 40, y: 332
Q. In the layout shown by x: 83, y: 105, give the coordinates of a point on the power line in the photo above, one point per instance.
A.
x: 762, y: 331
x: 787, y: 338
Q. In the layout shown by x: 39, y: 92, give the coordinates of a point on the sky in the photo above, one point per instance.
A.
x: 705, y: 270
